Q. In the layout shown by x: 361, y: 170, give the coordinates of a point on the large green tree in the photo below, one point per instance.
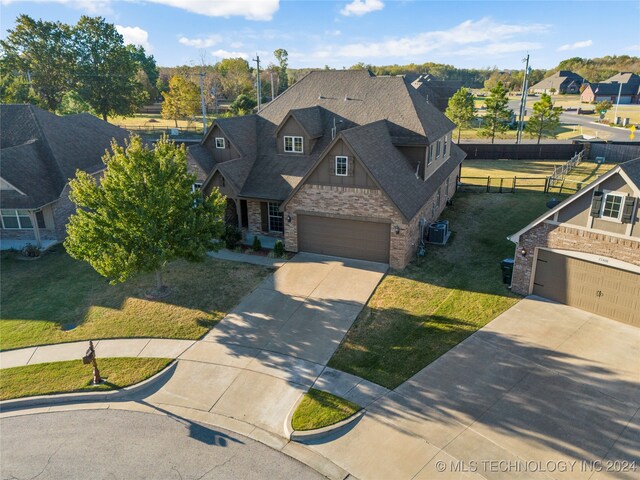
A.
x: 235, y: 77
x: 182, y: 100
x: 142, y: 214
x: 497, y: 113
x: 106, y: 69
x: 545, y: 119
x: 282, y: 56
x: 460, y: 109
x: 243, y: 105
x: 41, y: 52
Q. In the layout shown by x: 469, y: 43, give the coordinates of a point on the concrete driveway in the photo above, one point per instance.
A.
x: 543, y: 391
x: 263, y: 356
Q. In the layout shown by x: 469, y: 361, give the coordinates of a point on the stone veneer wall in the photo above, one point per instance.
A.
x: 254, y: 217
x: 566, y: 237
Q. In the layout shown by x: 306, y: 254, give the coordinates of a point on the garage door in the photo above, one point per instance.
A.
x: 344, y: 238
x: 597, y: 288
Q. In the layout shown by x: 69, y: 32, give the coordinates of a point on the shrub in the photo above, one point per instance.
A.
x: 257, y: 244
x: 30, y: 251
x: 232, y: 236
x: 278, y: 249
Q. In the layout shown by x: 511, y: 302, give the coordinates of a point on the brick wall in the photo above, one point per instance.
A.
x: 568, y: 238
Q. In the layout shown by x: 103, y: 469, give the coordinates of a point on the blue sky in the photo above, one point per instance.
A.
x: 342, y: 33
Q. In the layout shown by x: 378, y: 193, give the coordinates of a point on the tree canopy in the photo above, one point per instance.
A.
x: 182, y: 100
x: 497, y: 113
x: 460, y: 109
x: 282, y: 56
x: 142, y: 214
x: 242, y: 105
x: 545, y: 119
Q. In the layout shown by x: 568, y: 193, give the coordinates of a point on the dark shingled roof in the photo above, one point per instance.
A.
x: 41, y: 151
x: 632, y: 169
x: 349, y: 98
x: 202, y: 156
x: 557, y: 80
x: 436, y: 92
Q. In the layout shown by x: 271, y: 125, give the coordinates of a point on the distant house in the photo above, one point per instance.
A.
x: 563, y: 81
x: 39, y: 153
x: 436, y: 92
x: 343, y: 163
x: 585, y: 252
x: 625, y: 84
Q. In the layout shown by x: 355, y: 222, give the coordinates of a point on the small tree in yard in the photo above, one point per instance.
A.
x: 182, y: 100
x: 460, y: 109
x: 142, y: 214
x: 545, y: 119
x: 603, y: 106
x: 497, y: 113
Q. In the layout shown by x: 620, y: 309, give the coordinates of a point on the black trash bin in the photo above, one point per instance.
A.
x: 507, y: 270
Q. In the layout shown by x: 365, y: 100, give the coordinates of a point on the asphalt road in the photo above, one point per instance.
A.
x: 114, y: 444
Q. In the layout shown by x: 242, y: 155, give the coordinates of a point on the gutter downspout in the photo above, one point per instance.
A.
x: 36, y: 230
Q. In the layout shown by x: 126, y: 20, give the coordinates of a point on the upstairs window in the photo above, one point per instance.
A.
x: 220, y: 143
x: 444, y: 147
x: 16, y: 219
x: 612, y: 206
x: 196, y: 187
x: 293, y: 144
x: 438, y: 149
x: 430, y: 155
x: 342, y: 166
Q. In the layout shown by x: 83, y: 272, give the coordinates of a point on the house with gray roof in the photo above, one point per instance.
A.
x: 563, y: 81
x: 626, y: 85
x: 585, y: 252
x: 343, y: 163
x: 437, y: 92
x: 39, y: 153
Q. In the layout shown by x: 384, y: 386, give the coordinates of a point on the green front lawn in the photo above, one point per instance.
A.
x: 57, y: 299
x: 320, y: 409
x: 419, y: 313
x: 74, y: 376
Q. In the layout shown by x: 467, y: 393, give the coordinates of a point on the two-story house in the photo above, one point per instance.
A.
x: 585, y: 252
x: 343, y: 163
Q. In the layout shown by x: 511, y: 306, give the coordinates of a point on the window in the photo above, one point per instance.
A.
x: 612, y: 206
x: 276, y: 218
x: 444, y: 147
x: 220, y: 143
x: 196, y: 187
x: 430, y: 155
x: 438, y: 149
x: 16, y: 219
x: 342, y: 166
x: 293, y: 144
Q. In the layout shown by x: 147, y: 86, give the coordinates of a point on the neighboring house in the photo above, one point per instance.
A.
x: 436, y: 92
x: 563, y: 81
x: 39, y: 153
x: 343, y: 163
x: 625, y: 84
x: 585, y: 252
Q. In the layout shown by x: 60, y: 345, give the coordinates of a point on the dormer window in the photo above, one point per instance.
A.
x: 293, y: 144
x: 438, y: 149
x: 220, y: 143
x: 612, y: 206
x: 342, y: 166
x: 444, y: 147
x: 430, y: 155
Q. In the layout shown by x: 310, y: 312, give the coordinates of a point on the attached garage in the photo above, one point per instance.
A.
x: 344, y: 238
x: 600, y: 289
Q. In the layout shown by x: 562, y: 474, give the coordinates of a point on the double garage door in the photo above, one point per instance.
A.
x: 344, y: 238
x: 593, y: 287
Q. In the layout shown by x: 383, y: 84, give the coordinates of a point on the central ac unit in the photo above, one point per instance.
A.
x: 438, y: 232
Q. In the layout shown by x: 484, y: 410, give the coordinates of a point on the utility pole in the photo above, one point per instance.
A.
x: 272, y: 94
x: 523, y: 100
x: 615, y: 114
x: 204, y: 106
x: 258, y: 86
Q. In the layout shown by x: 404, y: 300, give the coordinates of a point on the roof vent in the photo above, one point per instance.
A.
x: 321, y: 97
x: 346, y: 98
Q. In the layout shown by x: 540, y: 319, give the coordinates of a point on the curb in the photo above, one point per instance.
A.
x: 317, y: 433
x: 89, y: 397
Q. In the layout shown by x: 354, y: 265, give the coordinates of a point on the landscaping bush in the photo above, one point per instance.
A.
x: 232, y: 236
x: 278, y: 249
x: 257, y: 244
x: 30, y: 251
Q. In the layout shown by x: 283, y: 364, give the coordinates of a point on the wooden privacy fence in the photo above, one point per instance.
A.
x: 490, y: 184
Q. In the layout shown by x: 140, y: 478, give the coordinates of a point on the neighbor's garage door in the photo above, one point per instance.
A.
x: 603, y: 290
x: 344, y: 238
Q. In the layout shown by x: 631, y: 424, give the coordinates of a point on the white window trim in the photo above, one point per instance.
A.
x: 293, y: 144
x: 346, y: 170
x: 430, y: 153
x: 438, y: 149
x: 605, y: 194
x: 270, y: 216
x: 15, y: 212
x: 195, y: 187
x: 224, y: 143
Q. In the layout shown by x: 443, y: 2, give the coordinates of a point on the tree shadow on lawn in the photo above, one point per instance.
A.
x: 533, y: 401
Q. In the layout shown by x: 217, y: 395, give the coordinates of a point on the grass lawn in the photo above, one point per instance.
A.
x: 74, y: 376
x: 57, y: 299
x: 320, y: 409
x: 417, y: 314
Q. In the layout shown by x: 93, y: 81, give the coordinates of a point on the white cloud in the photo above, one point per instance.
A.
x: 361, y: 7
x: 135, y: 36
x: 249, y: 9
x: 332, y: 33
x: 575, y: 45
x: 202, y: 42
x: 483, y: 37
x: 93, y: 7
x: 236, y: 44
x: 227, y: 54
x: 633, y: 48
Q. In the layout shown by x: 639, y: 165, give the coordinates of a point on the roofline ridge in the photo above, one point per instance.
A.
x: 45, y: 142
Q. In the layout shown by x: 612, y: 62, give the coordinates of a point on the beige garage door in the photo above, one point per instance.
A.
x: 344, y: 238
x: 603, y: 290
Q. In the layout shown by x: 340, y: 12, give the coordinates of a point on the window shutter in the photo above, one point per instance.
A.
x: 596, y: 203
x: 331, y: 161
x: 351, y: 166
x: 627, y: 211
x: 264, y: 216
